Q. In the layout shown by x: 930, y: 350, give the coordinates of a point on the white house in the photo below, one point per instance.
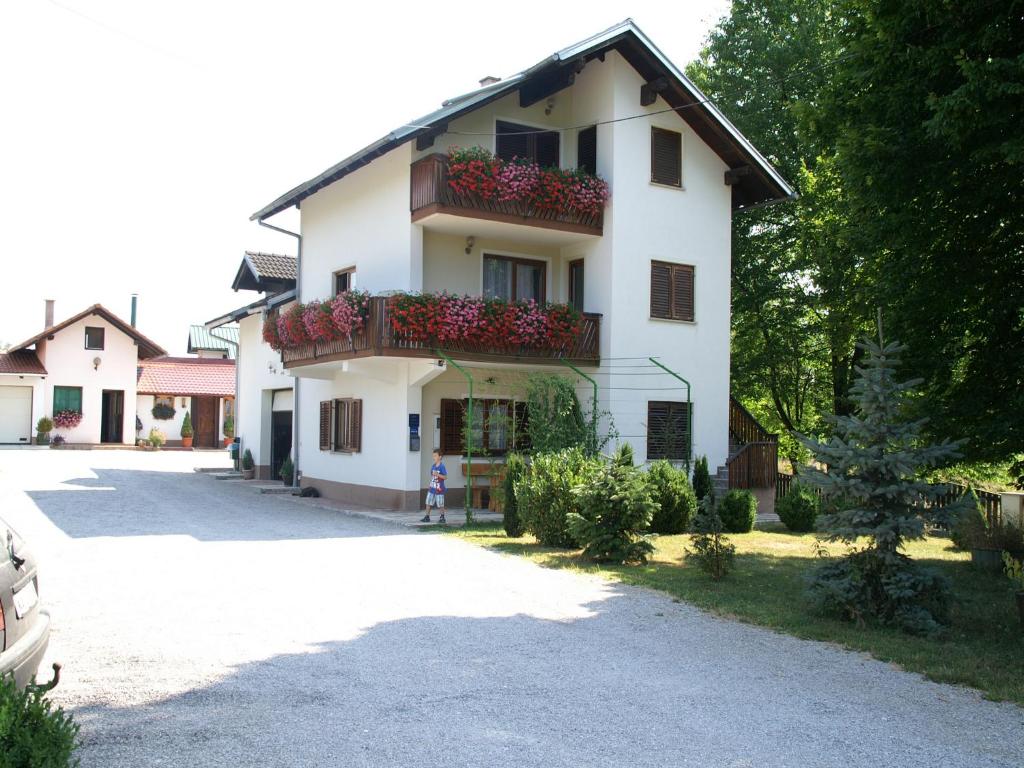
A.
x: 649, y: 270
x: 87, y: 365
x: 170, y: 387
x: 265, y: 399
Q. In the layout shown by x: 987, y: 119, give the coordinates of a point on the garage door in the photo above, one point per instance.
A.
x: 15, y: 414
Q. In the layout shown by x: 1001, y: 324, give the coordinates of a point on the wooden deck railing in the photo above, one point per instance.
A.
x: 756, y: 463
x: 430, y: 193
x: 378, y: 338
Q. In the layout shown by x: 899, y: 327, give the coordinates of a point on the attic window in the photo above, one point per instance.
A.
x: 666, y: 157
x: 527, y: 143
x: 94, y: 338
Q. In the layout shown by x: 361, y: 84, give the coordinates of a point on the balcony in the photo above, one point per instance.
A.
x: 378, y: 338
x: 433, y: 203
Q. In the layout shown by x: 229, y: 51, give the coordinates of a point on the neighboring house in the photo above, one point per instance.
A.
x: 203, y: 387
x: 85, y: 364
x: 650, y: 270
x: 220, y: 343
x: 265, y: 399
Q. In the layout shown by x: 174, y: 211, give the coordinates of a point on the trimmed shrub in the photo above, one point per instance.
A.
x: 544, y: 494
x: 287, y: 470
x: 515, y: 467
x: 186, y: 425
x: 738, y: 511
x: 34, y: 734
x: 247, y: 460
x: 675, y: 499
x: 615, y: 510
x: 701, y: 478
x: 798, y: 509
x: 712, y: 552
x: 44, y: 426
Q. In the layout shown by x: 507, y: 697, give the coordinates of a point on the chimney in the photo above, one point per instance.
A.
x: 135, y: 304
x: 49, y: 314
x: 489, y: 80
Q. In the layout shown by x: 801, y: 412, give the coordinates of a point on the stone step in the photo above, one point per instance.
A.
x: 228, y: 475
x: 275, y: 489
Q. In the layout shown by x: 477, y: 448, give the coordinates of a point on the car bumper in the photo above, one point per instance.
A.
x: 23, y: 658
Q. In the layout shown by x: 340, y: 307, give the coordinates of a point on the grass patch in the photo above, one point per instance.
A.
x: 984, y: 647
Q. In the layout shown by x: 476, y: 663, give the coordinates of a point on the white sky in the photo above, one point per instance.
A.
x: 136, y: 138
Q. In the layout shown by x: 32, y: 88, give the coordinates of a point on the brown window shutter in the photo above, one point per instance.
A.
x: 586, y: 149
x: 661, y: 289
x: 355, y: 424
x: 325, y: 425
x: 451, y: 427
x: 668, y: 427
x: 682, y: 292
x: 666, y: 157
x: 657, y: 420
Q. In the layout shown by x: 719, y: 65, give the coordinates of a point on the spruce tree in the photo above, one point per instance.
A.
x: 701, y: 478
x: 873, y: 493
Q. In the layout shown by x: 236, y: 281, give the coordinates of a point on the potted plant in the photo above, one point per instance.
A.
x: 1014, y: 569
x: 57, y: 441
x: 157, y: 438
x: 229, y: 430
x: 287, y: 470
x: 186, y: 431
x: 248, y: 467
x: 43, y: 429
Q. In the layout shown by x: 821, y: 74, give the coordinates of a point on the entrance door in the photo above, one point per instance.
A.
x: 204, y: 422
x: 112, y: 424
x: 280, y: 441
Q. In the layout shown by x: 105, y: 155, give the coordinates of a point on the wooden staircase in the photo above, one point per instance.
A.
x: 753, y: 452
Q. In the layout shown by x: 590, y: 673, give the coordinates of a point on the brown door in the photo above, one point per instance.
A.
x: 204, y: 422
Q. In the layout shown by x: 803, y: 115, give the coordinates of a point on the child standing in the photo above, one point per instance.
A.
x: 435, y: 491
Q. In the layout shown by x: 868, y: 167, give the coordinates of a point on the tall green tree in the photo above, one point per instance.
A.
x: 927, y: 114
x: 797, y: 288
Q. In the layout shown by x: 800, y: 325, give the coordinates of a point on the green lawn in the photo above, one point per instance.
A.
x: 984, y: 647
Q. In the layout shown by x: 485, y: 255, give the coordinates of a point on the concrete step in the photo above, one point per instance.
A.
x: 226, y: 475
x: 283, y: 490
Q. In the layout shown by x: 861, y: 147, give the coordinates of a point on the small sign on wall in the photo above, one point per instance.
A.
x: 414, y: 432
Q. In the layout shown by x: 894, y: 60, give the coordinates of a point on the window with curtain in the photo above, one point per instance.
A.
x: 514, y: 279
x: 527, y: 143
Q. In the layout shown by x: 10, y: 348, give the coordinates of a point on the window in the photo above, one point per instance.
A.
x: 498, y: 425
x: 666, y: 157
x: 229, y: 407
x: 67, y: 399
x: 576, y: 284
x: 586, y: 149
x: 94, y: 338
x: 514, y: 279
x: 166, y: 400
x: 527, y: 143
x: 668, y: 430
x: 672, y: 291
x: 341, y: 425
x: 344, y: 280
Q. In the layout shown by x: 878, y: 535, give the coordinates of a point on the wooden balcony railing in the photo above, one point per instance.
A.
x: 430, y: 194
x: 378, y: 338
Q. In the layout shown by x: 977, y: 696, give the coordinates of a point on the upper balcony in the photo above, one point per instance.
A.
x: 386, y: 331
x: 438, y: 204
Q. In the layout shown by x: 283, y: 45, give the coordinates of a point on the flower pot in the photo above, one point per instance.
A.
x: 228, y: 441
x: 43, y: 438
x: 186, y: 442
x: 987, y: 559
x: 248, y: 474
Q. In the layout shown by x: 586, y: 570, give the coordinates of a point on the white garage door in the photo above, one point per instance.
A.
x: 15, y: 414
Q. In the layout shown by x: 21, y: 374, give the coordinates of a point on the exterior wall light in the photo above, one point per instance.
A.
x: 96, y: 363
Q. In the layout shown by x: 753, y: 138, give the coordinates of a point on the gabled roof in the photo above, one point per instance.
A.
x: 21, y: 362
x: 186, y: 376
x: 756, y: 181
x: 225, y: 339
x: 265, y: 272
x: 147, y: 347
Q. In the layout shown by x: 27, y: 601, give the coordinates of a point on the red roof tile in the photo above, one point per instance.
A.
x: 186, y: 376
x: 21, y: 361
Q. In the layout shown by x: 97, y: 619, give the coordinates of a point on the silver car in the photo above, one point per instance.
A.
x: 24, y: 625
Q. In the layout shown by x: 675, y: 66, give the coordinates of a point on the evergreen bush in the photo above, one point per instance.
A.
x: 515, y: 467
x: 44, y: 426
x: 544, y: 494
x: 738, y: 511
x: 968, y: 524
x: 186, y: 425
x: 615, y: 509
x: 874, y: 461
x: 34, y: 734
x: 701, y: 478
x: 709, y: 548
x: 287, y: 470
x: 675, y: 499
x: 247, y: 460
x: 798, y: 509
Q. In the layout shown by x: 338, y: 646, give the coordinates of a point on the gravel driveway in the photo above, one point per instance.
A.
x: 202, y: 624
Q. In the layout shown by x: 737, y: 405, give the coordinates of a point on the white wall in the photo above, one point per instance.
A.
x: 69, y: 363
x: 259, y: 373
x: 170, y: 427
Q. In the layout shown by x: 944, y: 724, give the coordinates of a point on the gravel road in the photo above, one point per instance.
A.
x: 202, y: 624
